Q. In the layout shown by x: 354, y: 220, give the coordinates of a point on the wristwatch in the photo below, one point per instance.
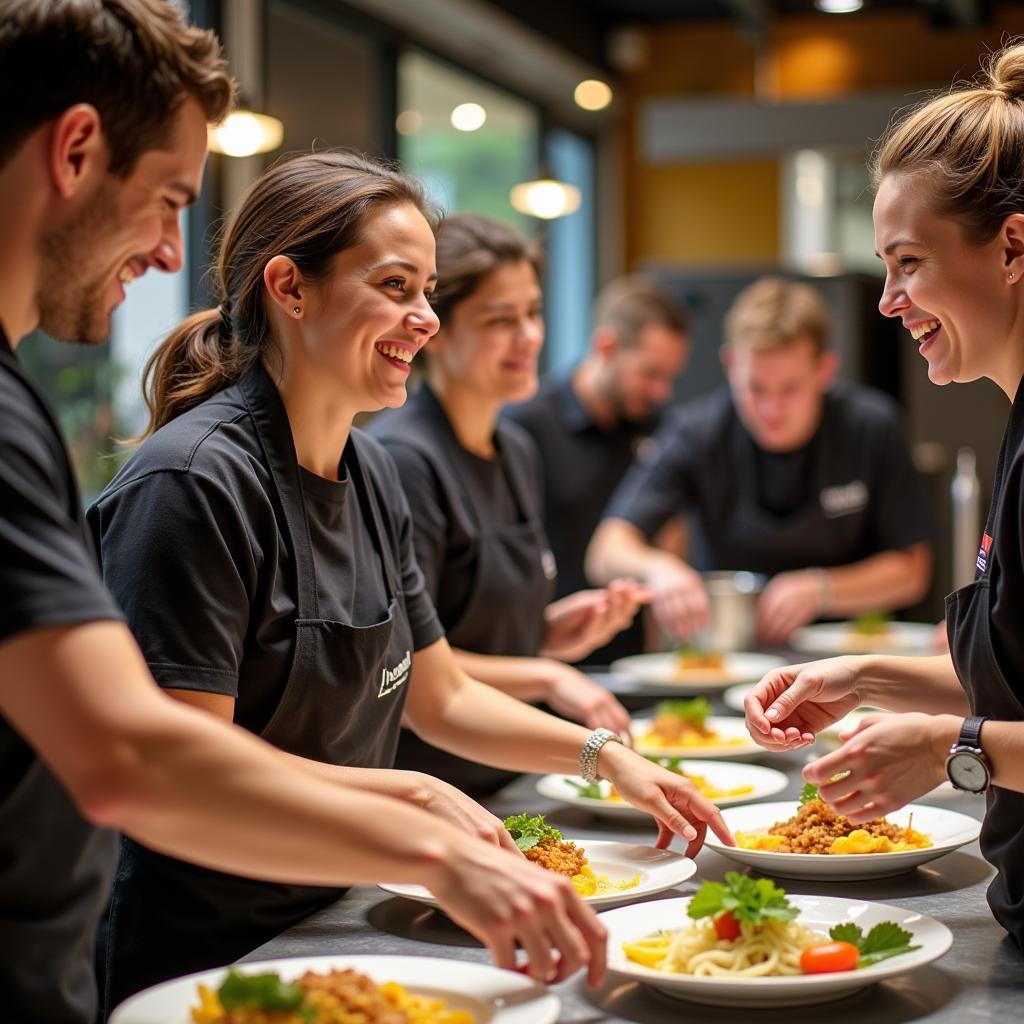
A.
x: 967, y: 766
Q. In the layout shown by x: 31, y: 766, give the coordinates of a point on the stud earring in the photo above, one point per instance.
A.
x: 298, y: 309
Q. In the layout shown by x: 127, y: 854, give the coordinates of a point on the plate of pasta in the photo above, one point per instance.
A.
x: 686, y: 728
x: 720, y: 781
x: 603, y: 872
x: 745, y: 943
x: 867, y: 634
x: 330, y: 989
x: 807, y: 839
x: 690, y: 672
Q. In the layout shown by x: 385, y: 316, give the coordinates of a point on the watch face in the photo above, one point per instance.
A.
x: 967, y: 771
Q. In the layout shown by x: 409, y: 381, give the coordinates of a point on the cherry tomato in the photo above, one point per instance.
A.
x: 726, y: 926
x: 829, y: 957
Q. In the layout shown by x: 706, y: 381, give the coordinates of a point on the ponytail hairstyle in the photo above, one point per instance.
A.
x: 469, y: 247
x: 967, y: 146
x: 309, y: 209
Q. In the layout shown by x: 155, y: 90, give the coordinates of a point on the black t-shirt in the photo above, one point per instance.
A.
x: 452, y: 492
x: 192, y: 543
x: 854, y: 484
x: 582, y: 464
x: 55, y: 868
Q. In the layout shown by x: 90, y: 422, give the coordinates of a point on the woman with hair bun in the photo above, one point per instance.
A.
x: 261, y: 548
x: 949, y: 226
x: 475, y: 481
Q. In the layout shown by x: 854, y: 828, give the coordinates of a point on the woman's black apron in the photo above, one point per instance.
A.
x: 968, y: 621
x: 514, y: 581
x: 167, y: 917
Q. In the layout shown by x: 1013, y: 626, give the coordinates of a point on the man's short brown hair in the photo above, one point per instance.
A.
x: 135, y: 61
x: 774, y: 312
x: 629, y: 304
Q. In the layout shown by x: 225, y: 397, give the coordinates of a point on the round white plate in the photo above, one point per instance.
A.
x: 663, y: 669
x: 915, y: 638
x: 727, y: 728
x: 658, y: 870
x: 947, y: 829
x: 627, y: 924
x: 721, y: 774
x: 491, y: 995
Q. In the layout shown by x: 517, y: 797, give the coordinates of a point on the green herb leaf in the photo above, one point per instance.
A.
x: 847, y: 933
x: 590, y: 790
x: 695, y: 710
x: 867, y: 959
x: 885, y: 940
x: 750, y: 899
x: 260, y: 992
x: 527, y: 831
x: 808, y: 793
x: 886, y: 935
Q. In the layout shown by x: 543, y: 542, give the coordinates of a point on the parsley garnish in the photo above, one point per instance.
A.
x: 528, y: 831
x: 883, y: 941
x: 263, y: 992
x: 808, y: 793
x: 756, y: 900
x: 696, y: 710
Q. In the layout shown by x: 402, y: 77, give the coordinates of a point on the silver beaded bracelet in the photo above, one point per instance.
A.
x: 588, y: 755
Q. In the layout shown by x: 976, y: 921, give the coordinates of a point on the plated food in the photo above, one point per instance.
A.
x: 338, y: 996
x: 816, y: 829
x: 721, y: 781
x: 804, y: 847
x: 865, y: 635
x: 682, y: 674
x: 603, y: 872
x: 465, y: 991
x: 682, y: 728
x: 745, y: 942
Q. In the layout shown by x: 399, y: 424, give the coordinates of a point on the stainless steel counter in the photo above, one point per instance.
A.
x: 980, y: 979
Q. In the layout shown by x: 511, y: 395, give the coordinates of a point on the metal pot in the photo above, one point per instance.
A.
x: 733, y: 600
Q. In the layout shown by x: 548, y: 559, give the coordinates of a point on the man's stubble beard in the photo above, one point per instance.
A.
x: 71, y: 294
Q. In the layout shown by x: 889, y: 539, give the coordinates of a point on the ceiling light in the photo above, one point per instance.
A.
x: 245, y: 133
x: 467, y: 117
x: 408, y: 122
x: 592, y: 94
x: 839, y: 6
x: 545, y: 198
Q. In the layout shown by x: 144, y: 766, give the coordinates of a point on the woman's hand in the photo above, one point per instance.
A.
x: 452, y: 805
x: 885, y: 762
x: 672, y: 800
x: 679, y: 599
x: 582, y: 622
x: 503, y: 900
x: 791, y: 705
x: 576, y: 696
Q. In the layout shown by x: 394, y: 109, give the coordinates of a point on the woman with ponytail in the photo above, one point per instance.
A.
x: 949, y: 226
x: 262, y: 550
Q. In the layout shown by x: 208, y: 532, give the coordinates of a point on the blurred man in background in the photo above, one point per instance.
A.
x: 589, y: 426
x: 787, y: 472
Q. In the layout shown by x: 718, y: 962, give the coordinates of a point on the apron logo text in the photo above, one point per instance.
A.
x: 986, y: 547
x: 845, y: 499
x: 392, y: 678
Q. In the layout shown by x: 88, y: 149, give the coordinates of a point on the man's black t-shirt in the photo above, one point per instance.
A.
x: 55, y: 868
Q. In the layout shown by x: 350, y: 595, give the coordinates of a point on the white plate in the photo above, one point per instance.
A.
x: 720, y: 774
x: 727, y: 728
x: 658, y: 870
x: 915, y: 638
x: 663, y: 669
x: 817, y: 912
x: 947, y: 829
x: 491, y: 995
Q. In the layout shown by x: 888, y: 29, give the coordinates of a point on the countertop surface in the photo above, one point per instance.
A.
x: 980, y: 979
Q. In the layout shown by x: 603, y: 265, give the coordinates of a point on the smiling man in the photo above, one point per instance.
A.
x: 788, y: 472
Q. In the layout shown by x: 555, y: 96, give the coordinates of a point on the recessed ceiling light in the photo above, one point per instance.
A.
x: 839, y: 6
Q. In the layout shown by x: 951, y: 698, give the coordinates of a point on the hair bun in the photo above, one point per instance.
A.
x: 1006, y: 72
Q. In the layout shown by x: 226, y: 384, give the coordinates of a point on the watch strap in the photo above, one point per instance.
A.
x: 970, y: 732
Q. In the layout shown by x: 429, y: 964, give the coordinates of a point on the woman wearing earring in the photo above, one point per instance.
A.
x: 949, y: 225
x: 475, y: 483
x: 262, y: 551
